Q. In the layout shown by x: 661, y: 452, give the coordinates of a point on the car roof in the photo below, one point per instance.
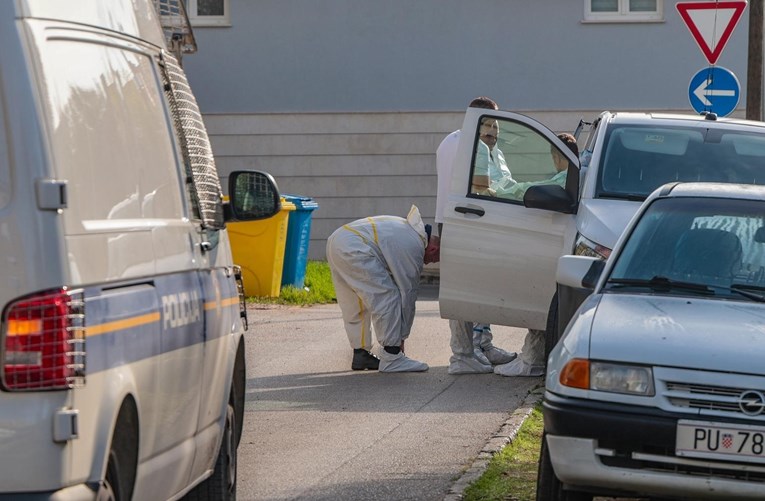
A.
x: 711, y: 190
x: 659, y: 118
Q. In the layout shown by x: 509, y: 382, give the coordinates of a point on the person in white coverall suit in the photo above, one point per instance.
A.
x: 376, y: 263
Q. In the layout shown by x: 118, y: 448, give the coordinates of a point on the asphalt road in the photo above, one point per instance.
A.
x: 315, y: 430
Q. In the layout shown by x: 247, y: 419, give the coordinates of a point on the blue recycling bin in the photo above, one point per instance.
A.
x: 298, y: 238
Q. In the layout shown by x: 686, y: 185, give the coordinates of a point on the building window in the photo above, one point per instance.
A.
x: 623, y: 11
x: 208, y: 12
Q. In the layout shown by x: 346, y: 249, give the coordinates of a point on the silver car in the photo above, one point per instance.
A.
x: 657, y: 387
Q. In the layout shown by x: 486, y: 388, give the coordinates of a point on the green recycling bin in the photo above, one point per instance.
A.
x: 298, y: 239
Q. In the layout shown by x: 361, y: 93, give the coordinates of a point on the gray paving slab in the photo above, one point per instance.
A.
x: 316, y: 430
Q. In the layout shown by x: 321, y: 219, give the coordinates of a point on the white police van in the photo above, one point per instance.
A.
x: 122, y: 348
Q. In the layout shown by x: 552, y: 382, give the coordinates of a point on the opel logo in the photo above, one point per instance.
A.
x: 751, y: 402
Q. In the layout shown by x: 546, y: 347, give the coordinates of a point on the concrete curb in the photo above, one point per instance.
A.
x: 504, y: 436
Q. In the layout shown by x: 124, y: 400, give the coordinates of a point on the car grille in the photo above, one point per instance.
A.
x: 705, y: 397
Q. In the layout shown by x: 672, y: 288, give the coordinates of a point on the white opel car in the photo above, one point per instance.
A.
x: 657, y: 387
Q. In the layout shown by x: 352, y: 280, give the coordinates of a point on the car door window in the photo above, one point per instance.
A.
x: 509, y: 157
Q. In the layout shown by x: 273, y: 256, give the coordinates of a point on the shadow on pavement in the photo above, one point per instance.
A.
x: 369, y: 391
x: 408, y: 486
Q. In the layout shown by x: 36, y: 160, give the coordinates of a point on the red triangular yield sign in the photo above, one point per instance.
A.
x: 711, y: 24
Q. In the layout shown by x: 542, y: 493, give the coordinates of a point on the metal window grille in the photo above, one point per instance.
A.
x: 206, y: 191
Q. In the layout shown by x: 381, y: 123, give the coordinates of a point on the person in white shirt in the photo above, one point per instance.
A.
x: 472, y: 349
x: 490, y: 168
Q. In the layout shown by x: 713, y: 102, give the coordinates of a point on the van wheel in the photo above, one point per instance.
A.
x: 551, y: 329
x: 238, y: 384
x: 549, y: 488
x: 221, y: 485
x: 123, y: 457
x: 110, y: 489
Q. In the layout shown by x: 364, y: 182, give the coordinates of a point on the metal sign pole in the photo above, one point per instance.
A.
x: 754, y: 62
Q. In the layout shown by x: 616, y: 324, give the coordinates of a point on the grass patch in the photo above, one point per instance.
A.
x: 512, y: 472
x: 318, y: 288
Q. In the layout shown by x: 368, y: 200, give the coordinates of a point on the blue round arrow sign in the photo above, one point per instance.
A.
x: 714, y: 89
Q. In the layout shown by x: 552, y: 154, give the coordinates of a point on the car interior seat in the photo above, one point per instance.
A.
x: 707, y: 255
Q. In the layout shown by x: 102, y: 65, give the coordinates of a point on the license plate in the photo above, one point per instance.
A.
x: 705, y: 439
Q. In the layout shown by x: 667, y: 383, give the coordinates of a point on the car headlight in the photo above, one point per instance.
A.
x: 586, y: 247
x: 604, y: 376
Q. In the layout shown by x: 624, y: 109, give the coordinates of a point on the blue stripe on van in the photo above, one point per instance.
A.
x: 126, y: 324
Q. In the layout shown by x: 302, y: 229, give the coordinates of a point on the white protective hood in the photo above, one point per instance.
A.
x: 415, y: 221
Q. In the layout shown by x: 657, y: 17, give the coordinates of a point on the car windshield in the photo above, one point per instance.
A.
x: 696, y: 246
x: 638, y: 159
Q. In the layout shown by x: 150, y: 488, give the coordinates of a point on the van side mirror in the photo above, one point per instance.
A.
x: 253, y: 195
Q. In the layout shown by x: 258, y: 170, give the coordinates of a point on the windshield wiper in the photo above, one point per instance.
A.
x: 661, y: 284
x: 745, y: 290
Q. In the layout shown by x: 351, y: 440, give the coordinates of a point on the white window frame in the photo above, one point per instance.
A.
x: 196, y: 20
x: 624, y: 15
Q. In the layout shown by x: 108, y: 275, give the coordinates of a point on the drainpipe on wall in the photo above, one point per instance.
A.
x: 754, y: 62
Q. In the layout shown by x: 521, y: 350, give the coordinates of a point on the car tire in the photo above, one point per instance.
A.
x: 549, y: 488
x: 221, y: 485
x: 119, y: 479
x: 111, y: 488
x: 551, y: 329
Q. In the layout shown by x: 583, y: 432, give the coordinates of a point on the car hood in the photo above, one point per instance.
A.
x: 603, y: 221
x: 719, y: 335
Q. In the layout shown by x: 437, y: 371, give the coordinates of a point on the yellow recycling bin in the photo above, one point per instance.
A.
x: 258, y: 247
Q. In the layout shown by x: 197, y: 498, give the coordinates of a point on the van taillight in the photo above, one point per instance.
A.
x: 44, y: 342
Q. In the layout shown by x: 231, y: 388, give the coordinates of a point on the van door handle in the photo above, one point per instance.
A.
x: 470, y: 210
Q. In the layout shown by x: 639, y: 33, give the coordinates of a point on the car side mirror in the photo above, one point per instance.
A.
x: 579, y: 271
x: 549, y: 197
x: 253, y: 195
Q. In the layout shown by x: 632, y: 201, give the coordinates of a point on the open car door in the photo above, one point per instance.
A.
x: 502, y: 236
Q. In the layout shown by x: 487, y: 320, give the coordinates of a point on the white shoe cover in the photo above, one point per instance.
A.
x: 519, y: 368
x: 399, y: 363
x: 465, y: 364
x: 498, y: 356
x: 479, y: 354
